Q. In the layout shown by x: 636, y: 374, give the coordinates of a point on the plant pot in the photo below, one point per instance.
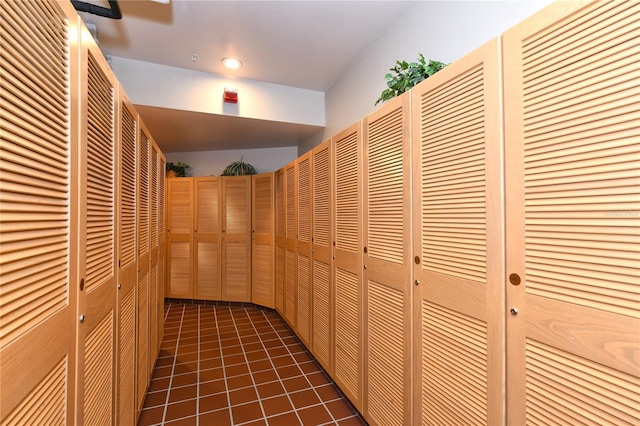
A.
x: 171, y: 174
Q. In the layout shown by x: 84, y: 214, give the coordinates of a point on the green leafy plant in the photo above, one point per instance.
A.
x: 239, y: 168
x: 405, y: 75
x: 178, y: 168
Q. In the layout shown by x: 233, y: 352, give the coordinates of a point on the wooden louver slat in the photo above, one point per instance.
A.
x: 128, y: 189
x: 100, y: 179
x: 34, y: 167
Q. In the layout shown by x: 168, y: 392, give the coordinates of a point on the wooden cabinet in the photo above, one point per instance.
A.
x: 209, y: 244
x: 573, y: 202
x: 347, y: 263
x: 207, y: 234
x: 322, y: 294
x: 303, y: 249
x: 236, y: 238
x: 459, y: 242
x: 263, y: 240
x: 280, y: 221
x: 387, y: 263
x: 77, y: 218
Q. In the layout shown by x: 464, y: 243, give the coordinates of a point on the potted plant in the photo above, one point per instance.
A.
x: 177, y: 169
x: 406, y: 75
x: 239, y: 168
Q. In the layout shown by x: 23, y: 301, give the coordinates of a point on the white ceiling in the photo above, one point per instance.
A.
x: 304, y: 44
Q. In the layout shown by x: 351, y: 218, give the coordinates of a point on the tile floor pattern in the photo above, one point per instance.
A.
x: 238, y: 365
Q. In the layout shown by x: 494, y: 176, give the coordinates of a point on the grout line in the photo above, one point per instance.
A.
x: 274, y: 367
x: 173, y: 366
x: 244, y: 354
x: 198, y: 373
x: 224, y: 372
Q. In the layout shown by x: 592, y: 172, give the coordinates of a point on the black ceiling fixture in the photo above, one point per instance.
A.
x: 113, y: 12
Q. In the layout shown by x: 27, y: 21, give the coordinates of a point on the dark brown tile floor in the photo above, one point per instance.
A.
x: 238, y: 365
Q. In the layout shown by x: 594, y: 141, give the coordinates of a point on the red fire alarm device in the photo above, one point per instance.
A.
x: 230, y: 95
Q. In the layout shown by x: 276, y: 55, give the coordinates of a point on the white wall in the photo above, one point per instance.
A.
x: 178, y: 88
x: 440, y: 30
x: 208, y: 163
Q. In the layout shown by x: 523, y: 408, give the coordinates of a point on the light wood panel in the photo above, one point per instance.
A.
x: 458, y: 243
x: 321, y: 257
x: 206, y: 236
x: 303, y: 249
x: 280, y: 219
x: 179, y: 238
x: 263, y: 240
x: 573, y: 197
x: 38, y: 189
x: 128, y: 263
x: 236, y: 239
x: 347, y: 262
x: 98, y: 237
x: 387, y: 263
x: 290, y: 246
x: 144, y: 251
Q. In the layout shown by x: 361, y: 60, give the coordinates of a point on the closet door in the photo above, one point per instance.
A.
x: 128, y: 262
x: 303, y: 246
x: 458, y: 243
x: 573, y: 225
x: 38, y: 148
x: 322, y: 288
x: 97, y: 250
x: 387, y: 264
x: 291, y: 242
x: 162, y: 245
x: 206, y: 239
x: 236, y: 238
x: 154, y: 203
x: 262, y: 240
x: 179, y: 238
x: 347, y: 262
x: 142, y: 288
x: 280, y: 241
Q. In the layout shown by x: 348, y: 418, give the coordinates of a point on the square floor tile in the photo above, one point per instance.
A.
x: 304, y: 398
x: 267, y: 390
x: 287, y: 419
x: 314, y: 415
x: 246, y: 412
x: 217, y: 418
x: 242, y: 396
x: 276, y: 405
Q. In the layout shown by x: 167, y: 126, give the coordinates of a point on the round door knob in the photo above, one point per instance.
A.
x: 81, y: 318
x: 514, y: 311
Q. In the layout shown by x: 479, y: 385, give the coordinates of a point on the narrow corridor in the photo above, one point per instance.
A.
x: 238, y: 365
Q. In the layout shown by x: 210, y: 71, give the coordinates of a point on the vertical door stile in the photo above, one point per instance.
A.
x: 280, y: 231
x: 303, y: 249
x: 347, y: 262
x: 387, y: 264
x: 573, y: 223
x: 459, y: 242
x: 263, y: 242
x: 321, y: 253
x: 290, y: 246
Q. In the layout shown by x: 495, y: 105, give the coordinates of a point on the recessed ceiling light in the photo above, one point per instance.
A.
x: 231, y: 63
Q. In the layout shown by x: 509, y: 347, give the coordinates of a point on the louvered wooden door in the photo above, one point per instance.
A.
x: 290, y: 244
x: 321, y: 254
x: 236, y: 239
x: 98, y: 237
x: 128, y: 261
x: 387, y: 264
x: 158, y: 320
x: 347, y: 262
x: 179, y: 237
x: 144, y: 247
x: 303, y: 249
x: 458, y: 243
x: 262, y: 240
x: 38, y: 280
x: 573, y: 200
x: 280, y: 241
x: 206, y: 239
x: 154, y: 224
